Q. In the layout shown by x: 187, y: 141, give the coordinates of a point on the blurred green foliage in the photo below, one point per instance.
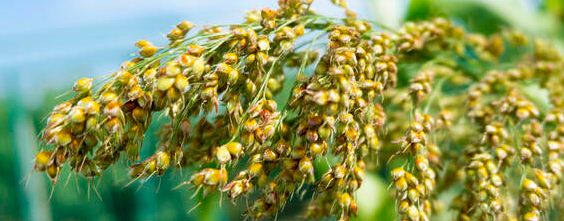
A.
x: 543, y: 19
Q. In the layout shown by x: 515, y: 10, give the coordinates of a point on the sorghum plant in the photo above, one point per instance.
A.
x: 258, y: 109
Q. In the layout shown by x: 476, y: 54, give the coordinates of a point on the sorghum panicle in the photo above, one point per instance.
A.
x: 351, y: 106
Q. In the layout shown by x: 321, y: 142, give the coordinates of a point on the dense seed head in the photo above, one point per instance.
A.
x: 221, y: 93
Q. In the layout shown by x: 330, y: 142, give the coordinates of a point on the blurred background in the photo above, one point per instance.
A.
x: 47, y: 45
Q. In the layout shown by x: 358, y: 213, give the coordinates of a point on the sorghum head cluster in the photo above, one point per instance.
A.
x: 350, y: 105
